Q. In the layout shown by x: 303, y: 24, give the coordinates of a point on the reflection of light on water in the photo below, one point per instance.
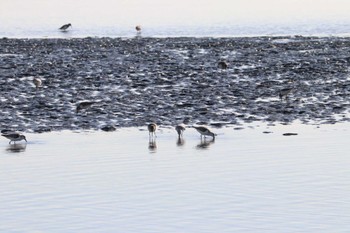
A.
x: 16, y: 148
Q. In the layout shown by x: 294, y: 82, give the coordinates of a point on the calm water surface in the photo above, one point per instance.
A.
x: 244, y: 181
x: 41, y: 19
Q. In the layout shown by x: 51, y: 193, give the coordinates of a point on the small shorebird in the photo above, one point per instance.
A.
x: 204, y: 131
x: 37, y: 82
x: 180, y: 129
x: 14, y: 137
x: 138, y: 29
x: 283, y: 93
x: 222, y: 65
x: 65, y: 27
x: 152, y: 130
x: 84, y: 105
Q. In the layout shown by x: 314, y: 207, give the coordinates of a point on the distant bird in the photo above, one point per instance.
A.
x: 222, y: 65
x: 180, y: 129
x: 204, y: 131
x: 152, y: 130
x: 283, y: 93
x: 37, y: 82
x: 14, y: 137
x: 65, y: 27
x: 84, y: 105
x: 138, y: 29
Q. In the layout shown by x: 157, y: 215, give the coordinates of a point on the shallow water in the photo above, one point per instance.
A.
x: 244, y: 181
x: 40, y: 19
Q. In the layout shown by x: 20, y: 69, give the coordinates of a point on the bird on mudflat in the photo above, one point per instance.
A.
x: 180, y: 129
x: 65, y: 27
x: 84, y: 105
x: 204, y: 131
x: 138, y: 29
x: 152, y: 130
x: 283, y: 93
x: 37, y: 82
x: 222, y: 65
x: 14, y: 137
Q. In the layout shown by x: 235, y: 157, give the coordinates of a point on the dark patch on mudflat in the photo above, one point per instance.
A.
x: 134, y: 81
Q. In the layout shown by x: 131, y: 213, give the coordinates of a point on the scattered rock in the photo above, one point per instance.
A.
x: 267, y: 132
x: 109, y: 128
x: 290, y: 134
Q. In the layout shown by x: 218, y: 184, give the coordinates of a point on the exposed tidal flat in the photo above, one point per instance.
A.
x: 244, y: 181
x: 132, y: 81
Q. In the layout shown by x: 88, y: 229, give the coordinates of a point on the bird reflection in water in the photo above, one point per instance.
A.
x: 204, y: 144
x: 16, y: 148
x: 152, y: 145
x: 180, y: 129
x: 180, y: 141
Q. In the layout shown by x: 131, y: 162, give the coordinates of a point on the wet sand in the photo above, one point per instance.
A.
x: 252, y: 178
x: 134, y: 81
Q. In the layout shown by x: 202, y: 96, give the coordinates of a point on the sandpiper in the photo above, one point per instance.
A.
x: 65, y: 27
x: 84, y: 105
x: 138, y: 29
x: 180, y: 129
x: 283, y: 93
x: 222, y: 65
x: 14, y: 137
x: 204, y: 131
x: 152, y: 130
x: 37, y: 82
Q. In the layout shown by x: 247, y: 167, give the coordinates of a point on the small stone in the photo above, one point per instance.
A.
x: 290, y: 134
x: 109, y: 128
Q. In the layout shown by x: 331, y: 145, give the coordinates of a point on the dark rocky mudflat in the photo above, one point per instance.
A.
x: 134, y: 81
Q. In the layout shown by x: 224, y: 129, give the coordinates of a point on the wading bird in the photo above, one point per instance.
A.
x: 138, y: 29
x: 14, y: 137
x: 204, y: 131
x: 152, y: 130
x: 65, y: 27
x: 180, y: 129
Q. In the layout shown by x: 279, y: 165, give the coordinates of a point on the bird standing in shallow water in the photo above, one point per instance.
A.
x: 14, y: 137
x: 152, y: 130
x: 138, y: 29
x: 65, y: 27
x: 37, y: 82
x: 180, y: 129
x: 204, y: 131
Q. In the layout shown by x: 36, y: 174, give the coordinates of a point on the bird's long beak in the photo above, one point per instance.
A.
x: 25, y: 139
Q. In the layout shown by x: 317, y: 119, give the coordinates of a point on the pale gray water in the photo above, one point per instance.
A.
x: 245, y: 181
x: 41, y: 19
